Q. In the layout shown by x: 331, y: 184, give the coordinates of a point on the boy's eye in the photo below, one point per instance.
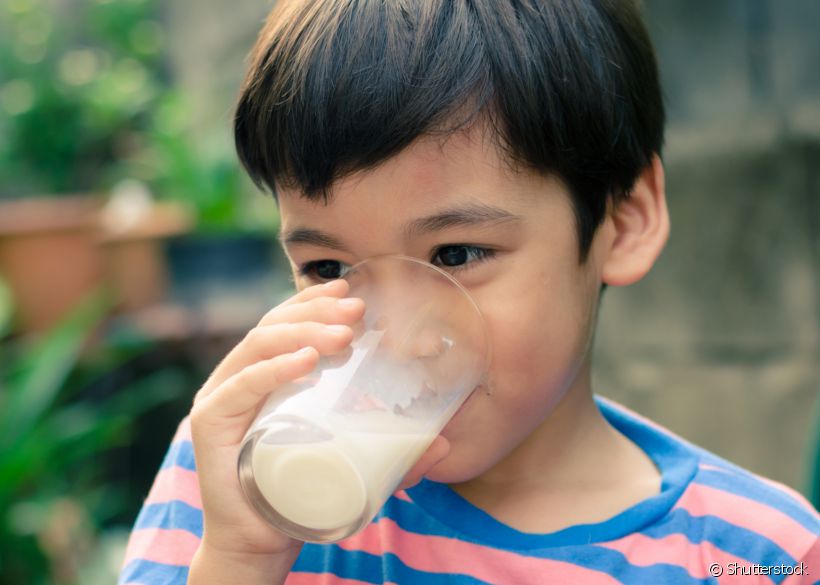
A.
x: 324, y: 269
x: 456, y: 256
x: 453, y: 257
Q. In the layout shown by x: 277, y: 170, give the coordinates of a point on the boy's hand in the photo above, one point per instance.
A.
x: 284, y: 346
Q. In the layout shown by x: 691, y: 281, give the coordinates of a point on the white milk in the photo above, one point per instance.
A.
x: 332, y: 484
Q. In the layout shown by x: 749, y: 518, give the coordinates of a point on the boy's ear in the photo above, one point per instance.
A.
x: 640, y: 228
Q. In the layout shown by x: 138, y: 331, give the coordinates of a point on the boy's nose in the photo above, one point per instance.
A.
x: 421, y: 313
x: 406, y: 338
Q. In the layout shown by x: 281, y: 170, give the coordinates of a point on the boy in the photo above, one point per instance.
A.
x: 514, y: 143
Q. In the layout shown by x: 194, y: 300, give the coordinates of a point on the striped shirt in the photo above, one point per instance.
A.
x: 712, y: 522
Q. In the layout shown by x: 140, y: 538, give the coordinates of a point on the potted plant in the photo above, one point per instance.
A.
x: 77, y: 85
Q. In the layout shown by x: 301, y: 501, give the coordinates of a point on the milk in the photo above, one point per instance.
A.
x: 336, y: 483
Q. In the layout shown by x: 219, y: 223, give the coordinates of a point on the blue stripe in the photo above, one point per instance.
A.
x: 330, y: 558
x: 413, y: 518
x: 398, y: 572
x: 743, y: 543
x: 407, y: 517
x: 173, y: 515
x: 180, y: 454
x: 370, y: 568
x: 150, y: 573
x: 616, y: 565
x: 740, y: 542
x: 748, y: 486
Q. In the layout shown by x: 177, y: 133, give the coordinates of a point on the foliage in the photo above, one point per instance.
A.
x: 87, y: 100
x: 54, y: 495
x: 5, y: 308
x: 77, y: 82
x: 203, y: 174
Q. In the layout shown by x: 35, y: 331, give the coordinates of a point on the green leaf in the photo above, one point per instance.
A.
x: 6, y: 308
x: 71, y: 436
x: 43, y: 370
x: 53, y: 451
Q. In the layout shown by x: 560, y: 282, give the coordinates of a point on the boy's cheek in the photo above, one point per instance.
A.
x: 479, y: 437
x: 490, y: 426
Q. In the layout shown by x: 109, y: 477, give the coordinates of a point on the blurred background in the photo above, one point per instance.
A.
x: 134, y: 253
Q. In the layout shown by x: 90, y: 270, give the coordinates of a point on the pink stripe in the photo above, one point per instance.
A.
x: 437, y: 554
x: 175, y: 483
x: 183, y: 432
x: 320, y: 579
x: 402, y: 495
x: 791, y: 536
x: 675, y: 549
x: 810, y: 563
x: 171, y: 547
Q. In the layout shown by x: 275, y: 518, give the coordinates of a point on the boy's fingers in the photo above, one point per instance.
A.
x: 438, y: 450
x: 324, y: 309
x: 236, y: 400
x: 334, y: 288
x: 267, y: 342
x: 327, y: 310
x: 264, y: 343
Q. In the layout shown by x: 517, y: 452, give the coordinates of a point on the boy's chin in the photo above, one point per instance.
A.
x: 452, y: 470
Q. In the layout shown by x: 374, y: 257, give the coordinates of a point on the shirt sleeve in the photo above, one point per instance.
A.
x: 168, y: 529
x: 807, y: 570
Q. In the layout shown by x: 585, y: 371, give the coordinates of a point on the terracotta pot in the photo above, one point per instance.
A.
x: 135, y: 264
x: 49, y: 256
x: 54, y: 251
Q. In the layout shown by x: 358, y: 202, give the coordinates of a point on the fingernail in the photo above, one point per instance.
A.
x: 337, y: 329
x: 303, y: 352
x: 349, y: 303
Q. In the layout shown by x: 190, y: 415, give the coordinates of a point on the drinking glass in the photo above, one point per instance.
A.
x: 327, y: 450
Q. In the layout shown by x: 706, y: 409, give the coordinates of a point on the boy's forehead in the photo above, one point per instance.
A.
x: 429, y: 187
x: 435, y: 166
x: 404, y: 222
x: 463, y: 170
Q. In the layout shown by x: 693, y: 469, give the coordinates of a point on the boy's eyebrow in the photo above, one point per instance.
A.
x: 311, y: 237
x: 471, y: 214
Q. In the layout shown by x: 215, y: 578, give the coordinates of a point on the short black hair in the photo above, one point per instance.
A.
x: 570, y: 87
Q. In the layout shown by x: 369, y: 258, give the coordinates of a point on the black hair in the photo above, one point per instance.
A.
x: 570, y: 87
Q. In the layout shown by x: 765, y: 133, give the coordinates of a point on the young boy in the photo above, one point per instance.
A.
x: 514, y: 143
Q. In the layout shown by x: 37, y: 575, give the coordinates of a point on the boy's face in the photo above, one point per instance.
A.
x: 538, y: 301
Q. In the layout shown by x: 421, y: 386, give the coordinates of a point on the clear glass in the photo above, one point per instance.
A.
x: 327, y: 450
